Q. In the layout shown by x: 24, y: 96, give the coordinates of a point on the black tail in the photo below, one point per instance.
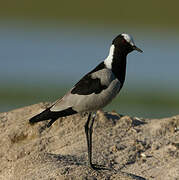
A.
x: 53, y: 115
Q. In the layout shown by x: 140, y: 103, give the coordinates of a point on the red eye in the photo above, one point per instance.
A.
x: 123, y: 41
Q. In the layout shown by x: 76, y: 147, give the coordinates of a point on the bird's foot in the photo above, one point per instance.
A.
x: 97, y: 167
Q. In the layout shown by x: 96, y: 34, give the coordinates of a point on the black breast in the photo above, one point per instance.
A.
x: 119, y: 64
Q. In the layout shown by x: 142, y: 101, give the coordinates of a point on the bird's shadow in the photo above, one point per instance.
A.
x: 135, y: 176
x: 68, y: 160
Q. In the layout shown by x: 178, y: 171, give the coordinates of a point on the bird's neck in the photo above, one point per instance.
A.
x: 119, y: 67
x: 116, y: 61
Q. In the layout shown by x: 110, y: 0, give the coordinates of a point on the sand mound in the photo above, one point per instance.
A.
x: 130, y: 148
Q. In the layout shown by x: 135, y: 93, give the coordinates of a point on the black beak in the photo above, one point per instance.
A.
x: 137, y: 49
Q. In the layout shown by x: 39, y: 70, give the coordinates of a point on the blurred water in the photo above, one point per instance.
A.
x: 35, y: 56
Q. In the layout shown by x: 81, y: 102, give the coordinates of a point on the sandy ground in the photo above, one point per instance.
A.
x: 129, y: 148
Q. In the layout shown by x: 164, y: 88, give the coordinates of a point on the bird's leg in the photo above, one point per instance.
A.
x: 51, y: 122
x: 89, y: 131
x: 90, y: 140
x: 87, y: 138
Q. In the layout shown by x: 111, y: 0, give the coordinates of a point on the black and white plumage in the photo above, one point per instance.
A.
x: 95, y: 90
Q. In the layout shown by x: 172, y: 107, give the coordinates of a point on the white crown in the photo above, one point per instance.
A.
x: 128, y: 38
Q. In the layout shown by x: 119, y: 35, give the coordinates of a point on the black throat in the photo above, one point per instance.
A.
x: 119, y: 64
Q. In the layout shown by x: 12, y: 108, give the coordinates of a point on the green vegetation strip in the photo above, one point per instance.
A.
x: 32, y: 95
x: 146, y: 13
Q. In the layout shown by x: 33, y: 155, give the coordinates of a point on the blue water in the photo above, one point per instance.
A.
x: 57, y: 54
x: 33, y: 55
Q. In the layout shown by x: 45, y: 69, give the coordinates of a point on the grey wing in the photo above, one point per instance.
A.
x: 92, y: 101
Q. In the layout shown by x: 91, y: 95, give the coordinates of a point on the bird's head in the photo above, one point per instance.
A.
x: 125, y: 43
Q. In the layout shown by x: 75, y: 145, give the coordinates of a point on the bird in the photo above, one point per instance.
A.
x: 94, y: 90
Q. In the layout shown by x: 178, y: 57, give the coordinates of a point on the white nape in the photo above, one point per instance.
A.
x: 109, y: 59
